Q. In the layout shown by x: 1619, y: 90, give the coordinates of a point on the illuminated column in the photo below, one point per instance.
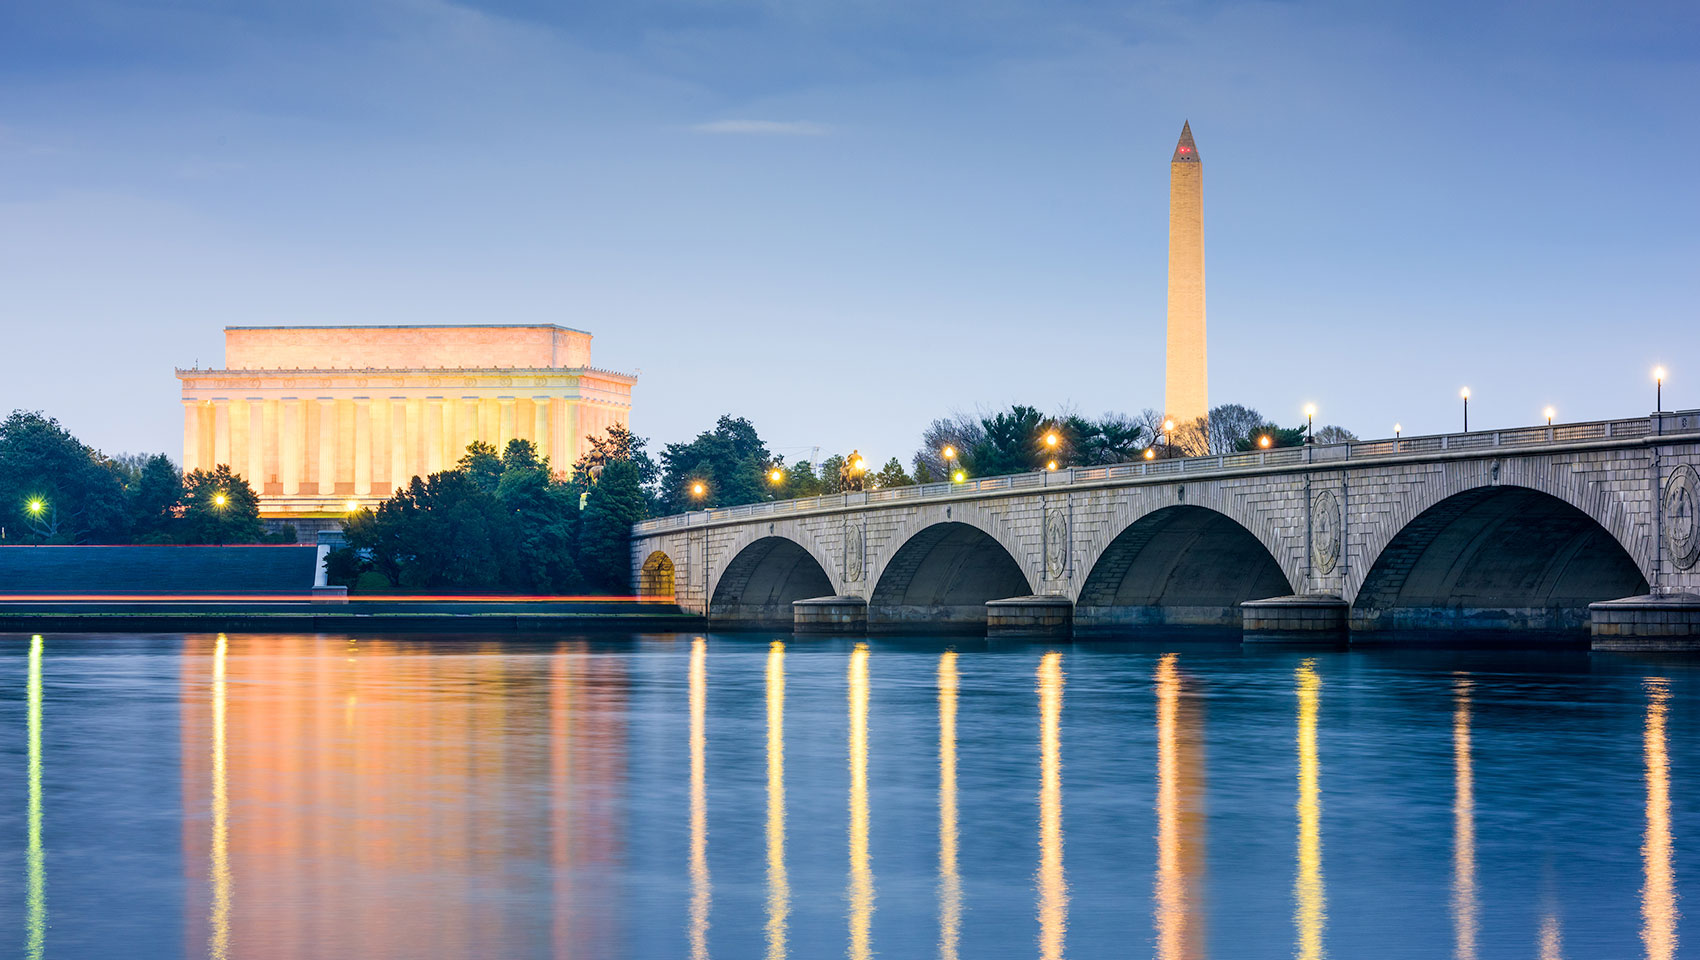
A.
x: 290, y: 453
x: 433, y: 435
x: 540, y: 426
x: 362, y: 447
x: 400, y: 444
x: 191, y: 435
x: 415, y: 439
x: 221, y: 431
x: 327, y: 446
x: 257, y: 444
x: 466, y: 427
x: 507, y: 429
x: 380, y: 447
x: 487, y: 421
x: 568, y: 431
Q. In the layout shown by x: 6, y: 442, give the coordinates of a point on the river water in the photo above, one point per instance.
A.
x: 681, y: 796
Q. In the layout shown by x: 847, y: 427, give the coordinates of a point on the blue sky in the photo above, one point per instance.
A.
x: 842, y: 219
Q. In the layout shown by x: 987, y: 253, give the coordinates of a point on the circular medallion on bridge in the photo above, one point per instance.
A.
x: 853, y: 554
x: 1682, y: 516
x: 1325, y: 531
x: 1056, y: 543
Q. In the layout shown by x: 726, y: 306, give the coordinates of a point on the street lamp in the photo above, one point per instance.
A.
x: 1168, y: 438
x: 1051, y: 439
x: 1310, y: 417
x: 1465, y: 393
x: 351, y: 505
x: 776, y: 476
x: 1396, y: 431
x: 959, y: 476
x: 1263, y: 441
x: 699, y: 490
x: 1549, y: 412
x: 36, y: 506
x: 219, y: 500
x: 1658, y: 389
x: 1051, y: 466
x: 1150, y: 453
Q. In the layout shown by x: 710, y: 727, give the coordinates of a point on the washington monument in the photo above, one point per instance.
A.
x: 1186, y: 390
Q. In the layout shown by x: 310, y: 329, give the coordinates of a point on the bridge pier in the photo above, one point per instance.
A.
x: 1648, y: 623
x: 1048, y: 616
x: 1301, y: 618
x: 830, y: 615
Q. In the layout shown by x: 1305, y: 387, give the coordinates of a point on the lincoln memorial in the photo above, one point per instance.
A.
x: 321, y: 419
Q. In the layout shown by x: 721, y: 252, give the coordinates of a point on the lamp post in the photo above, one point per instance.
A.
x: 1310, y: 418
x: 1549, y: 414
x: 698, y: 490
x: 949, y: 454
x: 1168, y: 438
x: 1658, y: 389
x: 1263, y: 442
x: 1465, y: 393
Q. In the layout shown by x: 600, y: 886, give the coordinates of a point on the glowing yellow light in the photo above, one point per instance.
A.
x: 1659, y: 374
x: 1550, y: 413
x: 776, y: 475
x: 1263, y: 441
x: 1310, y: 410
x: 1053, y: 881
x: 37, y: 505
x: 950, y: 453
x: 1658, y: 885
x: 1395, y: 429
x: 700, y: 887
x: 1050, y: 439
x: 698, y: 489
x: 219, y: 922
x: 1465, y: 393
x: 1150, y: 454
x: 1310, y: 916
x: 219, y: 499
x: 861, y: 464
x: 1051, y: 466
x: 959, y: 476
x: 861, y: 891
x: 1463, y: 826
x: 35, y: 863
x: 1168, y: 425
x: 778, y: 884
x: 950, y: 881
x: 351, y: 505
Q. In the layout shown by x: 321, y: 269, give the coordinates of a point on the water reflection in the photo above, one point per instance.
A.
x: 218, y: 945
x: 1309, y: 894
x: 1180, y: 859
x: 1463, y: 826
x: 778, y: 885
x: 861, y: 891
x: 950, y: 882
x: 700, y: 888
x: 1552, y: 940
x: 1658, y: 890
x: 35, y: 863
x: 1053, y: 884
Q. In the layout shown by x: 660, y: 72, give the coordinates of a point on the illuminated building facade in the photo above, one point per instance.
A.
x: 318, y: 417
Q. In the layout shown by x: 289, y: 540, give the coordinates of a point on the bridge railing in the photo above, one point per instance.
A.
x: 1682, y: 421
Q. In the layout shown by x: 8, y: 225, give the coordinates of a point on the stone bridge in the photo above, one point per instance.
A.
x: 1493, y: 530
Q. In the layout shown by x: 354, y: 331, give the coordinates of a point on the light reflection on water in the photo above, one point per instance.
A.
x: 264, y: 796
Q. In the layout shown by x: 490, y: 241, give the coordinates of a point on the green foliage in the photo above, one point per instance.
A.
x: 343, y: 567
x: 283, y: 534
x: 154, y: 495
x: 1011, y: 443
x: 482, y: 464
x: 80, y: 492
x: 891, y: 475
x: 731, y: 461
x: 801, y: 481
x: 831, y: 472
x: 615, y: 503
x: 1278, y: 437
x: 218, y: 507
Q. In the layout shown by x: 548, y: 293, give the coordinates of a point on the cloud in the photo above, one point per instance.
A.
x: 766, y: 128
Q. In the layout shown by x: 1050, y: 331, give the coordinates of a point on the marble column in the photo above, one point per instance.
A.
x: 327, y: 446
x: 433, y: 435
x: 221, y: 432
x: 291, y: 454
x: 507, y: 427
x: 256, y: 469
x: 401, y: 470
x: 540, y: 426
x: 467, y: 431
x: 362, y: 446
x: 569, y: 433
x: 191, y: 435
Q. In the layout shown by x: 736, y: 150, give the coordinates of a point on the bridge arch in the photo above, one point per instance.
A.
x: 763, y: 573
x: 942, y: 574
x: 1177, y: 564
x: 657, y: 577
x: 1498, y: 555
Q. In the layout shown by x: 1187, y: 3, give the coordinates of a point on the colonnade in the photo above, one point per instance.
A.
x: 368, y: 446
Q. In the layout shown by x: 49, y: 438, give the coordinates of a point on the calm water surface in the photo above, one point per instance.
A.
x: 732, y: 796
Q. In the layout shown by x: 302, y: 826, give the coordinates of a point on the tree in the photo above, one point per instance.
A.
x: 1230, y: 424
x: 154, y: 497
x: 54, y: 489
x: 483, y: 464
x: 1278, y: 437
x: 891, y: 475
x: 960, y: 432
x: 1112, y: 438
x: 1011, y: 443
x: 831, y: 470
x: 1334, y: 434
x: 544, y: 512
x: 219, y: 507
x: 605, y: 547
x: 731, y: 461
x: 801, y: 481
